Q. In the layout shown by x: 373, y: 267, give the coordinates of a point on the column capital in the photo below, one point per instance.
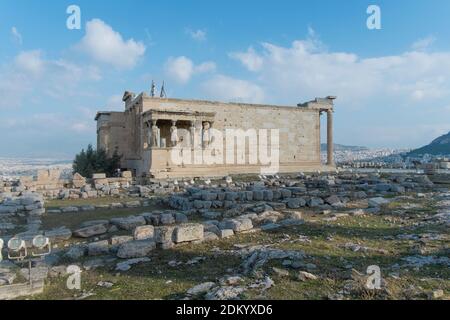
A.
x: 327, y: 110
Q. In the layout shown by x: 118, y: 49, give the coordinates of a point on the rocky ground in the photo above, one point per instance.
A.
x: 290, y: 237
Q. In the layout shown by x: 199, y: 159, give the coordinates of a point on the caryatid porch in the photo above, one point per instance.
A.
x: 164, y: 130
x: 161, y: 128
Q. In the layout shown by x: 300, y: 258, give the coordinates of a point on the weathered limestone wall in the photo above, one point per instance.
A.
x: 112, y: 132
x: 299, y: 138
x: 28, y: 203
x: 49, y: 184
x: 445, y: 165
x: 299, y: 127
x: 45, y: 180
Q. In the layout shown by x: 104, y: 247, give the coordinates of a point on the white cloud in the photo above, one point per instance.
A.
x: 405, y: 90
x: 251, y: 60
x: 17, y: 79
x: 17, y: 36
x: 423, y: 44
x: 105, y: 45
x: 306, y: 70
x: 33, y: 78
x: 41, y: 96
x: 14, y: 86
x: 42, y: 122
x: 82, y: 126
x: 115, y: 103
x: 254, y: 62
x: 181, y: 69
x: 225, y: 88
x: 30, y: 62
x: 205, y: 67
x: 418, y: 94
x: 88, y: 113
x: 198, y: 35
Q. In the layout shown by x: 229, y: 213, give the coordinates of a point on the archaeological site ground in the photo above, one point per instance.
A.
x: 294, y: 236
x: 255, y: 156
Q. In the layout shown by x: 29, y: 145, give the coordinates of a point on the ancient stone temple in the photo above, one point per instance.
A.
x: 162, y: 137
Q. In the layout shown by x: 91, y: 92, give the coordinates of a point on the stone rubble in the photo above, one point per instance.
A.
x: 226, y: 210
x: 136, y: 249
x: 127, y: 264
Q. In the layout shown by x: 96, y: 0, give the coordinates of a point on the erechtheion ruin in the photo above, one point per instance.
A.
x: 162, y: 137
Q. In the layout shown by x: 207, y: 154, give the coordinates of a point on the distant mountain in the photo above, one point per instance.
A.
x: 439, y: 146
x: 341, y: 147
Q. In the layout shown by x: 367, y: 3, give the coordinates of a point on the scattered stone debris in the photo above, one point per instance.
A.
x: 263, y: 284
x: 127, y: 264
x: 201, y: 288
x: 304, y: 276
x: 257, y: 257
x: 281, y: 272
x: 197, y: 211
x: 136, y: 249
x: 437, y: 294
x: 224, y: 293
x: 105, y: 284
x: 230, y: 280
x: 420, y: 261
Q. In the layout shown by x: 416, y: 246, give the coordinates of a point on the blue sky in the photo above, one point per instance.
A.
x: 392, y: 84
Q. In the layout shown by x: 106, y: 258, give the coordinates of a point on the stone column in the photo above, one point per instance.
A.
x: 149, y: 134
x: 330, y: 146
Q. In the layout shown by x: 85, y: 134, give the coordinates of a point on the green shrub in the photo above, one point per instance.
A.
x: 93, y: 161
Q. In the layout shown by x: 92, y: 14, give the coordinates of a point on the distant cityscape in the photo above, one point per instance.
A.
x: 14, y: 167
x: 345, y: 157
x: 435, y: 154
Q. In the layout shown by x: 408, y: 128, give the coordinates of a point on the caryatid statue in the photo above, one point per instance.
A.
x: 192, y: 134
x: 155, y: 135
x: 150, y: 134
x: 174, y: 134
x: 206, y: 134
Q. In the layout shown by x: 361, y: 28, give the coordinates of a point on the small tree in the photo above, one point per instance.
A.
x: 114, y: 162
x: 80, y: 164
x: 91, y: 161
